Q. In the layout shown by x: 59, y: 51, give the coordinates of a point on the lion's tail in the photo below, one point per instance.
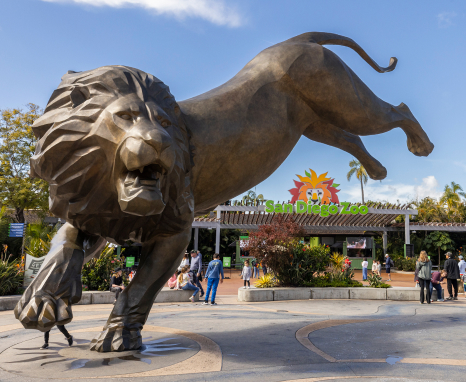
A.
x: 323, y: 38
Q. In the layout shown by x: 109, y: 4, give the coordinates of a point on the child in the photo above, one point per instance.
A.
x: 374, y: 267
x: 379, y: 268
x: 364, y: 269
x: 184, y: 282
x: 246, y: 274
x: 62, y: 329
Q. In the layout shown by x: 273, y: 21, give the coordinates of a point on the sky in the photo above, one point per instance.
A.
x: 196, y: 45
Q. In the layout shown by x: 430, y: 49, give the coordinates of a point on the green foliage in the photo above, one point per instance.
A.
x: 207, y: 243
x: 17, y: 143
x: 361, y: 174
x: 375, y: 281
x: 96, y: 273
x: 327, y: 281
x: 266, y: 281
x: 11, y: 274
x: 38, y: 238
x: 409, y: 265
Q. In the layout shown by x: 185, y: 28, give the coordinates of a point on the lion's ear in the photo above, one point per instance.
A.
x: 78, y: 96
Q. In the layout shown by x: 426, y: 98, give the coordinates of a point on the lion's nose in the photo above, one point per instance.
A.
x: 135, y: 153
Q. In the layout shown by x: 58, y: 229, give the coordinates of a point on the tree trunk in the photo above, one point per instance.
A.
x: 362, y: 191
x: 19, y: 214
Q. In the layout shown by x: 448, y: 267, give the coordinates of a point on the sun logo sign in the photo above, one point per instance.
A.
x: 313, y: 189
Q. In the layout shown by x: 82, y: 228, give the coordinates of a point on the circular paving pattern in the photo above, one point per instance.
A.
x: 165, y: 351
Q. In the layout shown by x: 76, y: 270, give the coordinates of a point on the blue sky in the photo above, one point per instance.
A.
x: 196, y: 45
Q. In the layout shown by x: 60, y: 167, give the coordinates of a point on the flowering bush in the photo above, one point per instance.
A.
x: 11, y: 274
x: 96, y: 274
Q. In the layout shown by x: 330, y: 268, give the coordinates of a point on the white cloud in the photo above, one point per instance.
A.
x: 214, y: 11
x: 377, y: 191
x: 445, y: 19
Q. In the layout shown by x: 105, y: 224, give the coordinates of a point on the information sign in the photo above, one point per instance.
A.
x: 16, y: 230
x: 227, y: 262
x: 31, y: 268
x: 129, y: 262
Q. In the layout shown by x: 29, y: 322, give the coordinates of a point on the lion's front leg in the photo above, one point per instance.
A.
x: 48, y: 299
x: 160, y: 258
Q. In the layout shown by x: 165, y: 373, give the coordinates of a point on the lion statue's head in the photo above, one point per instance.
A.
x: 116, y: 153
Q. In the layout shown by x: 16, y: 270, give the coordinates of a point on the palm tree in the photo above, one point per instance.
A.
x: 429, y: 210
x: 451, y: 199
x: 251, y: 196
x: 361, y: 173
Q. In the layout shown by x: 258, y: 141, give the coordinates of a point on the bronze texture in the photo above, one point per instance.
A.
x: 126, y: 162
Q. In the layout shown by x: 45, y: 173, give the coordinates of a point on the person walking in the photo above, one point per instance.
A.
x: 435, y: 281
x: 388, y: 265
x: 185, y: 284
x: 424, y: 268
x: 116, y: 283
x: 364, y: 264
x: 246, y: 274
x: 453, y: 274
x: 62, y: 329
x: 462, y: 268
x: 264, y: 268
x: 196, y: 269
x: 212, y: 275
x: 255, y: 269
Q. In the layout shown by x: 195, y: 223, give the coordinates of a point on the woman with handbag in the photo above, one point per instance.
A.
x: 424, y: 269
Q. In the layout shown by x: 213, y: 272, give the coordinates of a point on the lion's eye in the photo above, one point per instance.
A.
x: 125, y: 116
x: 165, y: 123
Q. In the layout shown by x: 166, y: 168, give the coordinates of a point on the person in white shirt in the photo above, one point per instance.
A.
x: 184, y: 262
x: 462, y: 267
x: 364, y: 269
x: 374, y: 267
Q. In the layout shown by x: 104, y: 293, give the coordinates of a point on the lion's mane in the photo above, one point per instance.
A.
x: 76, y: 152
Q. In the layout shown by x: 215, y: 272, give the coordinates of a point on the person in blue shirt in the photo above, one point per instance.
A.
x: 212, y: 276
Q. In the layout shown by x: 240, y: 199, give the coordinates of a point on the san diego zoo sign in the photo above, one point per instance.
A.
x: 315, y: 195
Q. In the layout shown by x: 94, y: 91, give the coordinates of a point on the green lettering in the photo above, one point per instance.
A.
x: 269, y: 206
x: 316, y: 209
x: 300, y: 207
x: 324, y: 211
x: 333, y: 209
x: 354, y: 210
x: 345, y: 210
x: 278, y: 209
x: 363, y: 210
x: 288, y: 208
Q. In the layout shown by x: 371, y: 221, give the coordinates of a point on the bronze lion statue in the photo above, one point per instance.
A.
x: 125, y: 161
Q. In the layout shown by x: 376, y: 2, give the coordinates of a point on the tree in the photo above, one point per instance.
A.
x: 451, y: 199
x: 438, y: 240
x: 429, y: 210
x: 361, y: 173
x: 252, y: 197
x: 17, y: 144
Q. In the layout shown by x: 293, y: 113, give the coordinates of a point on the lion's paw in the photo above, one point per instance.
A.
x: 117, y: 338
x: 42, y: 312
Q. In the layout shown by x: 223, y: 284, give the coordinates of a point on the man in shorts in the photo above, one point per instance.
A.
x: 388, y: 265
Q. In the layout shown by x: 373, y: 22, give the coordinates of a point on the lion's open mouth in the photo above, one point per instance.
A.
x: 149, y: 177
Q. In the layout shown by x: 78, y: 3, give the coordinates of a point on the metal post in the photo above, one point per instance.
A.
x: 217, y: 233
x: 196, y: 238
x: 407, y: 234
x: 385, y: 242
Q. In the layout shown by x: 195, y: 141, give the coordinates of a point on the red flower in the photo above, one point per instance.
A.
x: 304, y: 249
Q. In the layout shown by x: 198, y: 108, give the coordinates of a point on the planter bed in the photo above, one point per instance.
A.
x: 364, y: 293
x: 96, y: 297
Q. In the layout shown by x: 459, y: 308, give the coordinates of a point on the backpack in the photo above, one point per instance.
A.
x: 392, y: 264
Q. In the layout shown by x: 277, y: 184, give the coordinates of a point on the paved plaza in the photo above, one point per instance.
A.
x: 311, y: 340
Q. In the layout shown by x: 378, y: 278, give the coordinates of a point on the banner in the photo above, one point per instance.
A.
x: 31, y: 268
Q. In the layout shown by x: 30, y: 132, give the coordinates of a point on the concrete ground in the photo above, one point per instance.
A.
x: 309, y: 340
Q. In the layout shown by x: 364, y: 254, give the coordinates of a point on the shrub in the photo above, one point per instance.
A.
x: 11, y: 275
x: 409, y: 265
x: 96, y: 273
x: 375, y: 281
x: 266, y: 281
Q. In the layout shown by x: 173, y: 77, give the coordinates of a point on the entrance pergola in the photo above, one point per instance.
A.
x: 381, y: 217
